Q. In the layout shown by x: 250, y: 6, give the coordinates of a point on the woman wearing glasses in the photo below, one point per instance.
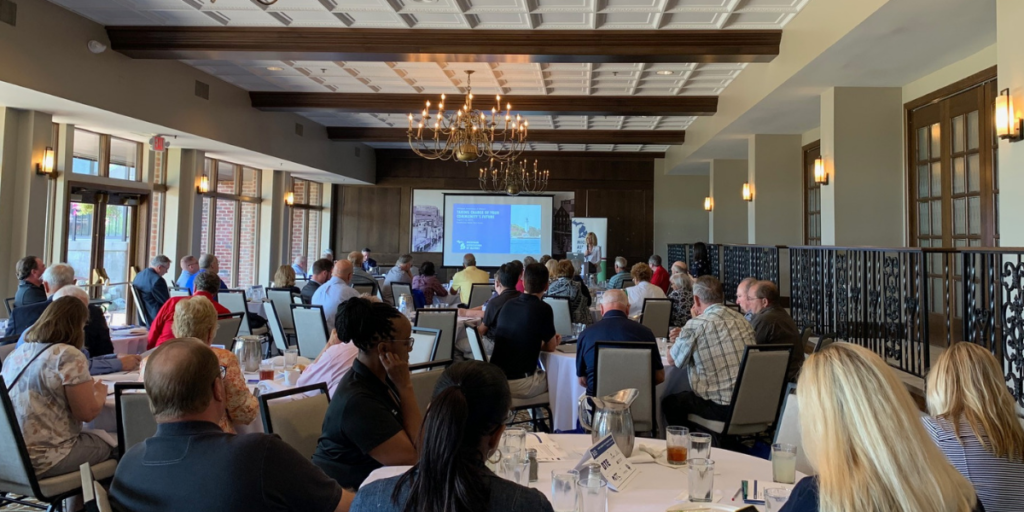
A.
x: 373, y: 419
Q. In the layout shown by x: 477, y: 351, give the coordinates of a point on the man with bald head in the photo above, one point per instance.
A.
x: 220, y: 471
x: 336, y: 290
x: 614, y: 326
x: 189, y: 267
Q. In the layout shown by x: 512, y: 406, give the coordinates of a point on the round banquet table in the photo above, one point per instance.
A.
x: 656, y: 487
x: 126, y: 343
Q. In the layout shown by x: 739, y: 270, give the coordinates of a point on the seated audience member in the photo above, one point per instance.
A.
x: 151, y: 286
x: 189, y: 267
x: 659, y: 275
x: 863, y: 435
x: 398, y: 274
x: 564, y: 286
x: 207, y: 285
x: 368, y: 262
x: 682, y: 298
x: 528, y: 260
x: 360, y: 276
x: 197, y: 318
x: 643, y: 289
x: 525, y: 327
x: 700, y: 265
x: 298, y: 267
x: 207, y: 263
x: 504, y: 280
x: 53, y: 394
x: 617, y: 281
x: 321, y: 273
x: 192, y: 464
x: 680, y: 267
x: 427, y: 283
x: 284, y: 279
x: 522, y: 264
x: 98, y: 365
x: 336, y: 291
x: 614, y: 326
x: 974, y: 422
x: 373, y: 420
x: 327, y: 255
x: 552, y: 267
x: 710, y: 346
x: 773, y: 325
x: 742, y: 294
x: 543, y: 259
x: 331, y: 364
x: 463, y: 280
x: 29, y: 271
x: 461, y: 430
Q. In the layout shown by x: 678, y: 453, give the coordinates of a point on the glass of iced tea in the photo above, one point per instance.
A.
x: 677, y: 439
x: 266, y: 371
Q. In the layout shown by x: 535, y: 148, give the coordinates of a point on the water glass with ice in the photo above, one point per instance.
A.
x: 291, y: 358
x: 775, y: 498
x: 593, y: 493
x: 700, y: 446
x: 702, y: 480
x: 563, y: 490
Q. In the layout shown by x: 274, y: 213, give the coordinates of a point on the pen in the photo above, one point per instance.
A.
x: 755, y: 489
x: 737, y: 495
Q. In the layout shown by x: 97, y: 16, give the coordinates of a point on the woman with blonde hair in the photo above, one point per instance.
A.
x: 862, y: 433
x: 552, y: 266
x: 284, y: 278
x: 592, y: 255
x: 974, y: 422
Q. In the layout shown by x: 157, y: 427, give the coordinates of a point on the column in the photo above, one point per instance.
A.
x: 274, y: 224
x: 679, y: 215
x: 1009, y: 37
x: 774, y: 172
x: 862, y: 148
x: 183, y: 214
x: 727, y: 223
x: 24, y: 135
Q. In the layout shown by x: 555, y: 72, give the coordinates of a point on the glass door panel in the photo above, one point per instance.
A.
x: 117, y: 243
x: 80, y: 242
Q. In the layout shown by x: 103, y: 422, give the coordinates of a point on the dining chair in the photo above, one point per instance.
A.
x: 140, y: 308
x: 296, y: 415
x: 282, y: 298
x: 135, y: 421
x: 94, y: 496
x: 824, y: 341
x: 628, y: 283
x: 235, y: 302
x: 228, y: 327
x: 532, y: 406
x: 657, y: 315
x: 363, y: 288
x: 399, y: 289
x: 177, y: 291
x: 563, y: 317
x: 479, y: 294
x: 274, y: 323
x: 805, y: 340
x: 622, y: 365
x: 787, y: 429
x: 18, y: 478
x: 424, y: 379
x: 310, y: 329
x: 424, y: 344
x: 446, y: 322
x: 476, y: 344
x: 9, y: 304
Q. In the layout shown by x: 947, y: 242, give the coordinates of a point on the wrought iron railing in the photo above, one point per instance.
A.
x: 684, y: 252
x: 742, y: 261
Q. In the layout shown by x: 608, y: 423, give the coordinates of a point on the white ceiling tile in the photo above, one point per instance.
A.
x: 626, y: 20
x: 700, y: 20
x: 500, y: 20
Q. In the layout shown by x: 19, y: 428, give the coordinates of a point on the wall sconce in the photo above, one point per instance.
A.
x: 747, y: 194
x: 707, y: 204
x: 204, y: 185
x: 1007, y: 125
x: 820, y: 176
x: 45, y: 168
x: 289, y: 198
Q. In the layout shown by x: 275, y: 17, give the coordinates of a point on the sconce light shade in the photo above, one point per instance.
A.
x: 747, y: 194
x: 1007, y: 125
x: 204, y: 185
x: 45, y: 168
x: 820, y: 176
x: 289, y: 198
x: 707, y: 204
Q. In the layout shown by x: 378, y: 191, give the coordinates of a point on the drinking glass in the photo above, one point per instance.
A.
x: 784, y: 463
x: 702, y: 480
x: 700, y: 446
x: 593, y: 495
x: 775, y: 498
x: 563, y: 489
x: 514, y: 438
x: 662, y: 345
x: 266, y: 371
x: 291, y: 358
x: 515, y: 465
x: 278, y: 366
x: 677, y: 439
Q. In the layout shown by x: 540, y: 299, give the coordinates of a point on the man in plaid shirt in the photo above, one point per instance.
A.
x: 710, y: 347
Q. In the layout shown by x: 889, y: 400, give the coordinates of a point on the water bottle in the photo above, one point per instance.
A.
x: 401, y: 303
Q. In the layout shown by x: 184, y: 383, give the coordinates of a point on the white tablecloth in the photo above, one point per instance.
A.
x: 256, y: 308
x: 656, y: 487
x: 125, y: 343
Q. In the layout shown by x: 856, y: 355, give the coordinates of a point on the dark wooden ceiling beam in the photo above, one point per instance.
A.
x: 345, y: 44
x: 540, y: 105
x: 371, y: 135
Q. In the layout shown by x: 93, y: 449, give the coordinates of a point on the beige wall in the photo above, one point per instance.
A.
x: 1010, y: 39
x: 728, y: 219
x: 679, y: 215
x: 774, y: 171
x: 959, y: 70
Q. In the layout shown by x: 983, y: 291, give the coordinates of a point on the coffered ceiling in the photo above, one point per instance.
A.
x: 596, y: 54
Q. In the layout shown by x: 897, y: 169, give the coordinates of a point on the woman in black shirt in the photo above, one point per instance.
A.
x: 373, y: 419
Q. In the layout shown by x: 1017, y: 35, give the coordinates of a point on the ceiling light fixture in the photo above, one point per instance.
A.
x: 665, y: 72
x: 513, y: 178
x: 274, y: 68
x: 468, y: 135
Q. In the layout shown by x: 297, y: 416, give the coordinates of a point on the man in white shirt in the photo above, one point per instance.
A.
x: 398, y: 274
x: 643, y: 289
x: 335, y: 291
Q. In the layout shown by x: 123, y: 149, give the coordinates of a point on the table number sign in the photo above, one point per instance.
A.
x: 615, y: 467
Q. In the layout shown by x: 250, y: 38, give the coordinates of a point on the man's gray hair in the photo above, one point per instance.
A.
x: 405, y: 258
x: 709, y: 290
x: 206, y: 260
x: 615, y: 298
x: 654, y: 260
x: 766, y: 290
x: 327, y: 255
x: 72, y: 291
x: 621, y: 262
x: 469, y: 260
x: 747, y: 282
x: 59, y: 275
x: 160, y: 261
x: 681, y: 281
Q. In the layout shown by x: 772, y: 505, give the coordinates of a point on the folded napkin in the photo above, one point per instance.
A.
x: 646, y: 454
x: 279, y: 361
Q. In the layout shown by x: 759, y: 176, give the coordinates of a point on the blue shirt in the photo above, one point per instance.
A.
x: 330, y: 295
x: 504, y: 496
x: 299, y: 271
x: 804, y: 497
x: 184, y: 279
x: 192, y: 281
x: 615, y: 326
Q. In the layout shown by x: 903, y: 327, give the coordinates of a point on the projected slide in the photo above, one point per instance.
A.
x: 496, y: 229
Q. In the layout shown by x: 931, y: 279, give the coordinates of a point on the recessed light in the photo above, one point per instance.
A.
x: 274, y: 68
x: 665, y: 72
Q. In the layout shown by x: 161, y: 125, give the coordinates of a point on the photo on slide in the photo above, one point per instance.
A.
x: 525, y: 221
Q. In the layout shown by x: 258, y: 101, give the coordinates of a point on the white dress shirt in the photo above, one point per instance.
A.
x: 332, y: 294
x: 637, y: 294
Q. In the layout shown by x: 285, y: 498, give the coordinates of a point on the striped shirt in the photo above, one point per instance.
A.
x: 711, y: 347
x: 998, y: 481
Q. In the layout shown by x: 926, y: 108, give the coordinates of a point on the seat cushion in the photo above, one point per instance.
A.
x: 714, y: 426
x: 734, y: 429
x: 541, y: 399
x: 59, y: 485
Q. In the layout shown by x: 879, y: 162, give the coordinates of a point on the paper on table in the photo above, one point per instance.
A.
x: 547, y: 450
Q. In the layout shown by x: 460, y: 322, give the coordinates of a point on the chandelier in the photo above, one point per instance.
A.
x: 513, y: 178
x: 467, y: 134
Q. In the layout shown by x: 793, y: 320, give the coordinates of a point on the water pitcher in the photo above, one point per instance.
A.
x: 610, y: 415
x: 248, y: 350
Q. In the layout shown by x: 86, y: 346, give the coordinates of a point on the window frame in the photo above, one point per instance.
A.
x: 301, y: 203
x: 210, y: 169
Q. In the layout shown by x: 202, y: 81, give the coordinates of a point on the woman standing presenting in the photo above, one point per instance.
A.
x: 593, y: 255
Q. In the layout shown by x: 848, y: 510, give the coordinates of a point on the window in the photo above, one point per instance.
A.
x: 86, y: 158
x: 812, y: 196
x: 230, y: 221
x: 306, y: 215
x: 124, y: 159
x: 102, y: 155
